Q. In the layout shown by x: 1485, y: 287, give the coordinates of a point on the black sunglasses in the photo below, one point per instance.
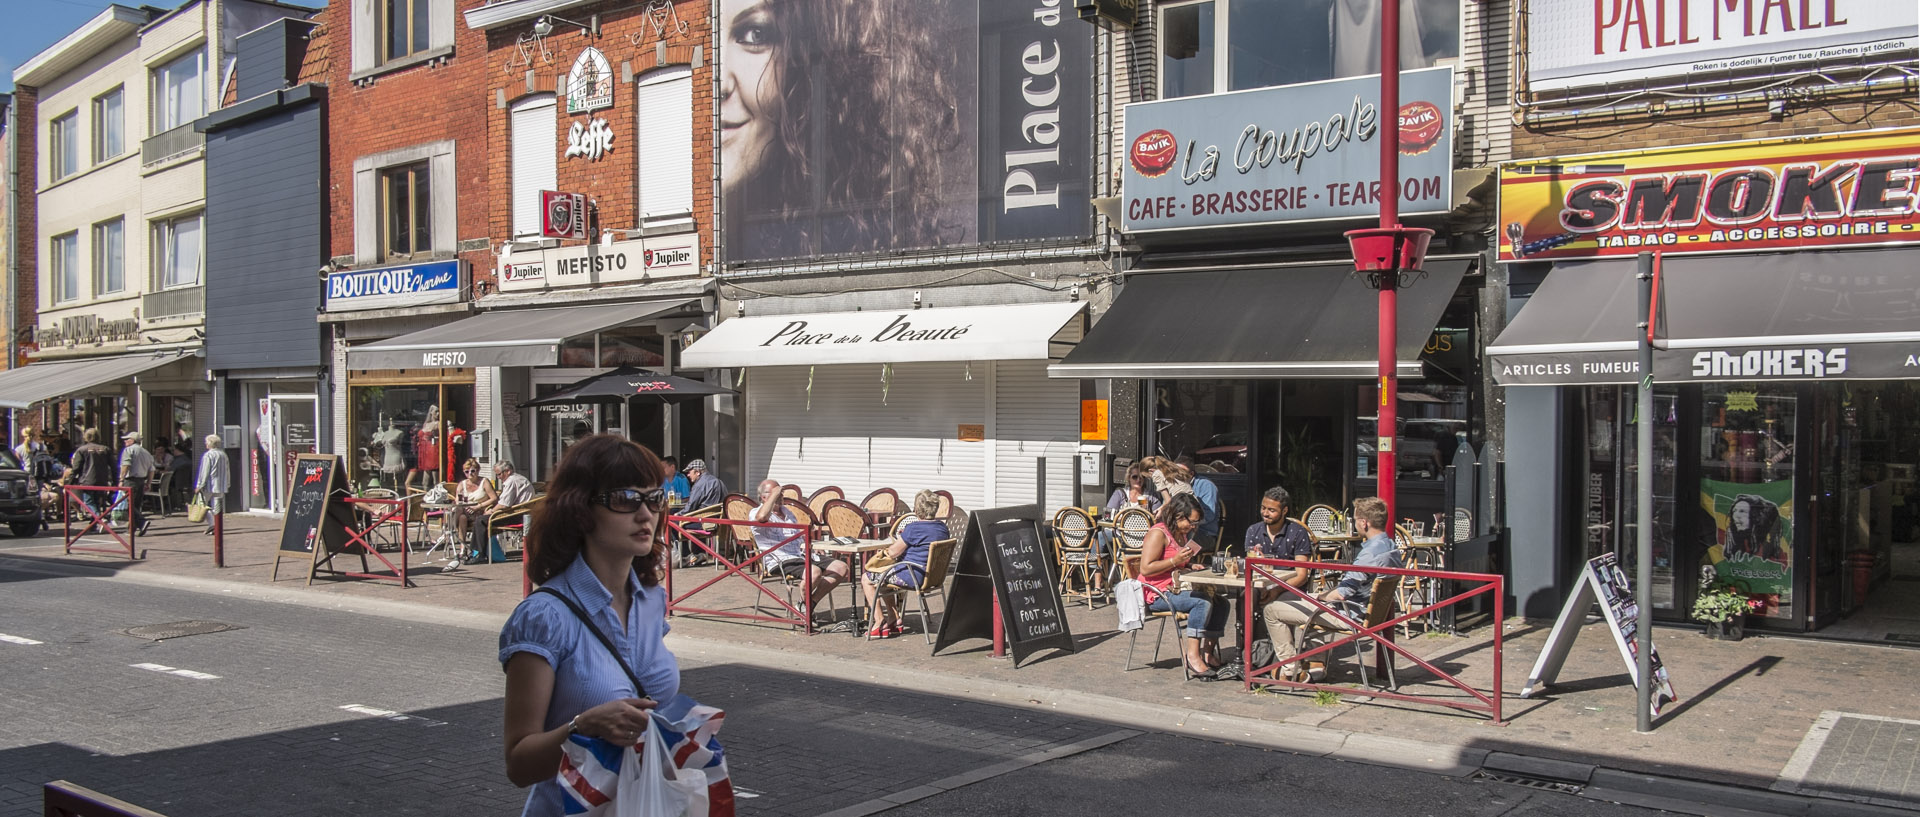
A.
x: 629, y: 500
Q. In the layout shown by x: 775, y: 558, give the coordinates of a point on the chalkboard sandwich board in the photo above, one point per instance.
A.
x: 1004, y: 558
x: 318, y: 526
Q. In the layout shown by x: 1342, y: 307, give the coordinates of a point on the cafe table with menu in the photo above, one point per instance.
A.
x: 855, y: 552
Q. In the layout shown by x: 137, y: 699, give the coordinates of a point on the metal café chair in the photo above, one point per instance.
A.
x: 1381, y: 606
x: 946, y: 504
x: 1130, y: 566
x: 1130, y: 528
x: 791, y: 492
x: 843, y: 518
x: 1321, y: 519
x: 939, y: 558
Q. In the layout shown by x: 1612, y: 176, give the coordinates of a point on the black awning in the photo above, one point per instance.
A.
x: 509, y: 337
x: 1848, y: 315
x: 1314, y: 321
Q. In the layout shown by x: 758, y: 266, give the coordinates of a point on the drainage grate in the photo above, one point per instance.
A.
x: 1539, y: 783
x: 1904, y: 638
x: 179, y: 629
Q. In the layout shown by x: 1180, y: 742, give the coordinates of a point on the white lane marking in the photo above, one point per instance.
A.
x: 184, y: 673
x: 389, y: 714
x: 14, y: 639
x: 744, y: 794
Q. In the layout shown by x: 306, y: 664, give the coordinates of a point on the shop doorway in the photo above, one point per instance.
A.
x: 289, y: 431
x: 1866, y: 560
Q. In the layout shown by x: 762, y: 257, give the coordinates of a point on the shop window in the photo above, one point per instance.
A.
x: 1747, y: 433
x: 176, y: 252
x: 65, y: 252
x: 535, y: 165
x: 1432, y: 424
x: 409, y: 435
x: 406, y: 212
x: 664, y: 105
x: 632, y: 346
x: 109, y: 125
x: 110, y: 256
x: 1233, y: 45
x: 63, y: 141
x: 178, y: 98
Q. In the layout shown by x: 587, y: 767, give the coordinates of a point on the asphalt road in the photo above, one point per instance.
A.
x: 305, y: 710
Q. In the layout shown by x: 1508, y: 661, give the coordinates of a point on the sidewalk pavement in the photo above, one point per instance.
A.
x: 1768, y: 714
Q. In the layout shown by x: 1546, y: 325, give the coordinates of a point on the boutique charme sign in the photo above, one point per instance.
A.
x: 1293, y: 153
x: 1572, y: 43
x: 436, y: 282
x: 1841, y: 191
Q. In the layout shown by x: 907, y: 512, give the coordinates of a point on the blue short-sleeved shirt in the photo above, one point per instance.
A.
x: 584, y: 675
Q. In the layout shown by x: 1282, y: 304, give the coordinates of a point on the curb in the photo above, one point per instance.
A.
x: 1586, y: 780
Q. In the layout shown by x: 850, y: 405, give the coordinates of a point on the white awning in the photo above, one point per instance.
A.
x: 1012, y: 332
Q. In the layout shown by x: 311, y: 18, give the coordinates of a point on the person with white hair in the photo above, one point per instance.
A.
x: 214, y: 480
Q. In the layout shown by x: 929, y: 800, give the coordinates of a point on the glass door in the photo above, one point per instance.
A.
x: 1747, y: 482
x: 293, y: 419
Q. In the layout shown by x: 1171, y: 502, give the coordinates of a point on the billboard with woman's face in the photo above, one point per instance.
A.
x: 865, y: 126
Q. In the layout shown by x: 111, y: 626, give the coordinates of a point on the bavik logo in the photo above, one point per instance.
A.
x: 1420, y: 127
x: 1153, y: 153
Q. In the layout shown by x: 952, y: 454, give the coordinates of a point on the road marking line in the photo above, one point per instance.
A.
x: 14, y: 639
x: 184, y: 673
x: 744, y: 794
x: 391, y: 715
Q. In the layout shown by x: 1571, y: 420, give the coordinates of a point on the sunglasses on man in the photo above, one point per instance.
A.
x: 630, y: 500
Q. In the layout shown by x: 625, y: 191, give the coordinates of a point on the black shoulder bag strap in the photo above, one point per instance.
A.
x: 638, y: 689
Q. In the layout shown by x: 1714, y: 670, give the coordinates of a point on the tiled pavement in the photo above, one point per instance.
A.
x: 1745, y: 706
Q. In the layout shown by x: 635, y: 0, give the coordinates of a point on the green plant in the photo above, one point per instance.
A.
x: 1719, y: 603
x: 1326, y: 697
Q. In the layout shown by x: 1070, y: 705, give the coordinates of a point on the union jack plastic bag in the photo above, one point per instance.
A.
x: 676, y: 768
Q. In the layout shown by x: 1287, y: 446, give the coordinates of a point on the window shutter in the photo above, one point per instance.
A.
x: 534, y: 160
x: 664, y: 101
x: 364, y: 30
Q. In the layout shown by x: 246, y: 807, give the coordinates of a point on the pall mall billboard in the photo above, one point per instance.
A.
x: 1849, y: 190
x: 870, y: 126
x: 1574, y: 43
x: 1293, y: 153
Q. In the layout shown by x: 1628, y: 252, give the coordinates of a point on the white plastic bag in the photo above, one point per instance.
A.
x: 651, y: 786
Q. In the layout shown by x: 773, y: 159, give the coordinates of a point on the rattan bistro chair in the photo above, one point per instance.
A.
x: 843, y: 518
x: 1321, y: 519
x: 818, y: 502
x: 1381, y: 606
x: 939, y: 558
x: 1074, y: 533
x: 1130, y: 528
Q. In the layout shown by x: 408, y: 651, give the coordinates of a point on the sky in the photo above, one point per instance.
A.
x: 33, y: 25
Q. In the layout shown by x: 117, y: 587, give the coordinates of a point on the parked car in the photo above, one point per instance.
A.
x: 19, y: 505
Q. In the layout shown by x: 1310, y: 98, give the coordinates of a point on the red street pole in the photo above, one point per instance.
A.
x: 1386, y: 422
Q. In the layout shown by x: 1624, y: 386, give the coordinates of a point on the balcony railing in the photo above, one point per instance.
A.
x: 185, y: 302
x: 177, y: 142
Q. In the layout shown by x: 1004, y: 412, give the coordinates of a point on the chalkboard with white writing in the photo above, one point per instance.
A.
x: 314, y: 522
x: 1004, y: 557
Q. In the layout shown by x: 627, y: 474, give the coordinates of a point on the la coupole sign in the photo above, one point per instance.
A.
x: 1573, y: 43
x: 1850, y: 190
x: 1294, y: 153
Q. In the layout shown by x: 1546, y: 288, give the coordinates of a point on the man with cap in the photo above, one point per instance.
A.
x: 706, y: 492
x: 136, y: 467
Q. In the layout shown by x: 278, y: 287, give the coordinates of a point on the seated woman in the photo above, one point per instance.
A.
x: 473, y: 498
x: 1170, y: 547
x: 909, y: 556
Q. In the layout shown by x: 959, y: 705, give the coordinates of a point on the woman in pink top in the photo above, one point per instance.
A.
x: 1169, y: 547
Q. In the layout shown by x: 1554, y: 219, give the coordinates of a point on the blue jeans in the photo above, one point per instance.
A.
x: 1204, y: 618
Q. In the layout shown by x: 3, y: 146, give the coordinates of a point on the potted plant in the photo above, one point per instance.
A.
x: 1722, y: 607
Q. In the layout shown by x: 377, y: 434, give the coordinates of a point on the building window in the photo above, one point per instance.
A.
x: 535, y: 165
x: 664, y: 101
x: 66, y: 267
x: 1210, y: 46
x: 109, y: 257
x: 406, y: 212
x: 109, y: 125
x: 176, y: 252
x: 177, y: 96
x: 404, y: 27
x: 63, y: 135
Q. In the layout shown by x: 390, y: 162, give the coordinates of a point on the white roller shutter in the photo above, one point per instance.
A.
x: 535, y: 159
x: 664, y: 100
x: 852, y: 439
x: 1035, y: 416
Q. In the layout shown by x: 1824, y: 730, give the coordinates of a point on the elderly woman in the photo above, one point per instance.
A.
x: 475, y: 497
x: 905, y: 565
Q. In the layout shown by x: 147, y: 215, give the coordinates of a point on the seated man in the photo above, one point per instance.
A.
x: 705, y: 491
x: 1277, y: 537
x: 789, y: 559
x: 1288, y: 619
x: 515, y: 488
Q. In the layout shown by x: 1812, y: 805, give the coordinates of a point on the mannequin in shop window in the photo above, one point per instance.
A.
x: 455, y: 438
x: 426, y: 451
x: 389, y: 441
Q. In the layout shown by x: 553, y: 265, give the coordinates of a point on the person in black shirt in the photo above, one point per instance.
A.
x: 1277, y: 537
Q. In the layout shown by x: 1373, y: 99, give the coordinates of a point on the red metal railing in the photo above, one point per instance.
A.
x: 702, y: 538
x: 1381, y: 634
x: 395, y: 510
x: 71, y: 496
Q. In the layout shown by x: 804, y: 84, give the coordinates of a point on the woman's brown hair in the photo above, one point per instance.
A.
x: 592, y: 466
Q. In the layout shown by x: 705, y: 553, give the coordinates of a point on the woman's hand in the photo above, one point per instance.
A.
x: 617, y: 721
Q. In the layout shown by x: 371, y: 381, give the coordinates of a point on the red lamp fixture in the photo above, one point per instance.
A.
x: 1379, y: 251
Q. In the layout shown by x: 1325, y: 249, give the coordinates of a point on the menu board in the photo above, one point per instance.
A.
x: 313, y: 522
x: 1602, y: 581
x: 1004, y: 564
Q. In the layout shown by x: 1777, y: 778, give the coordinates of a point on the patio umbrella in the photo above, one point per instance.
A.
x: 627, y: 382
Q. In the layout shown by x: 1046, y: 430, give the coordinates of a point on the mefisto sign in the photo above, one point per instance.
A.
x: 1287, y: 154
x: 673, y: 256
